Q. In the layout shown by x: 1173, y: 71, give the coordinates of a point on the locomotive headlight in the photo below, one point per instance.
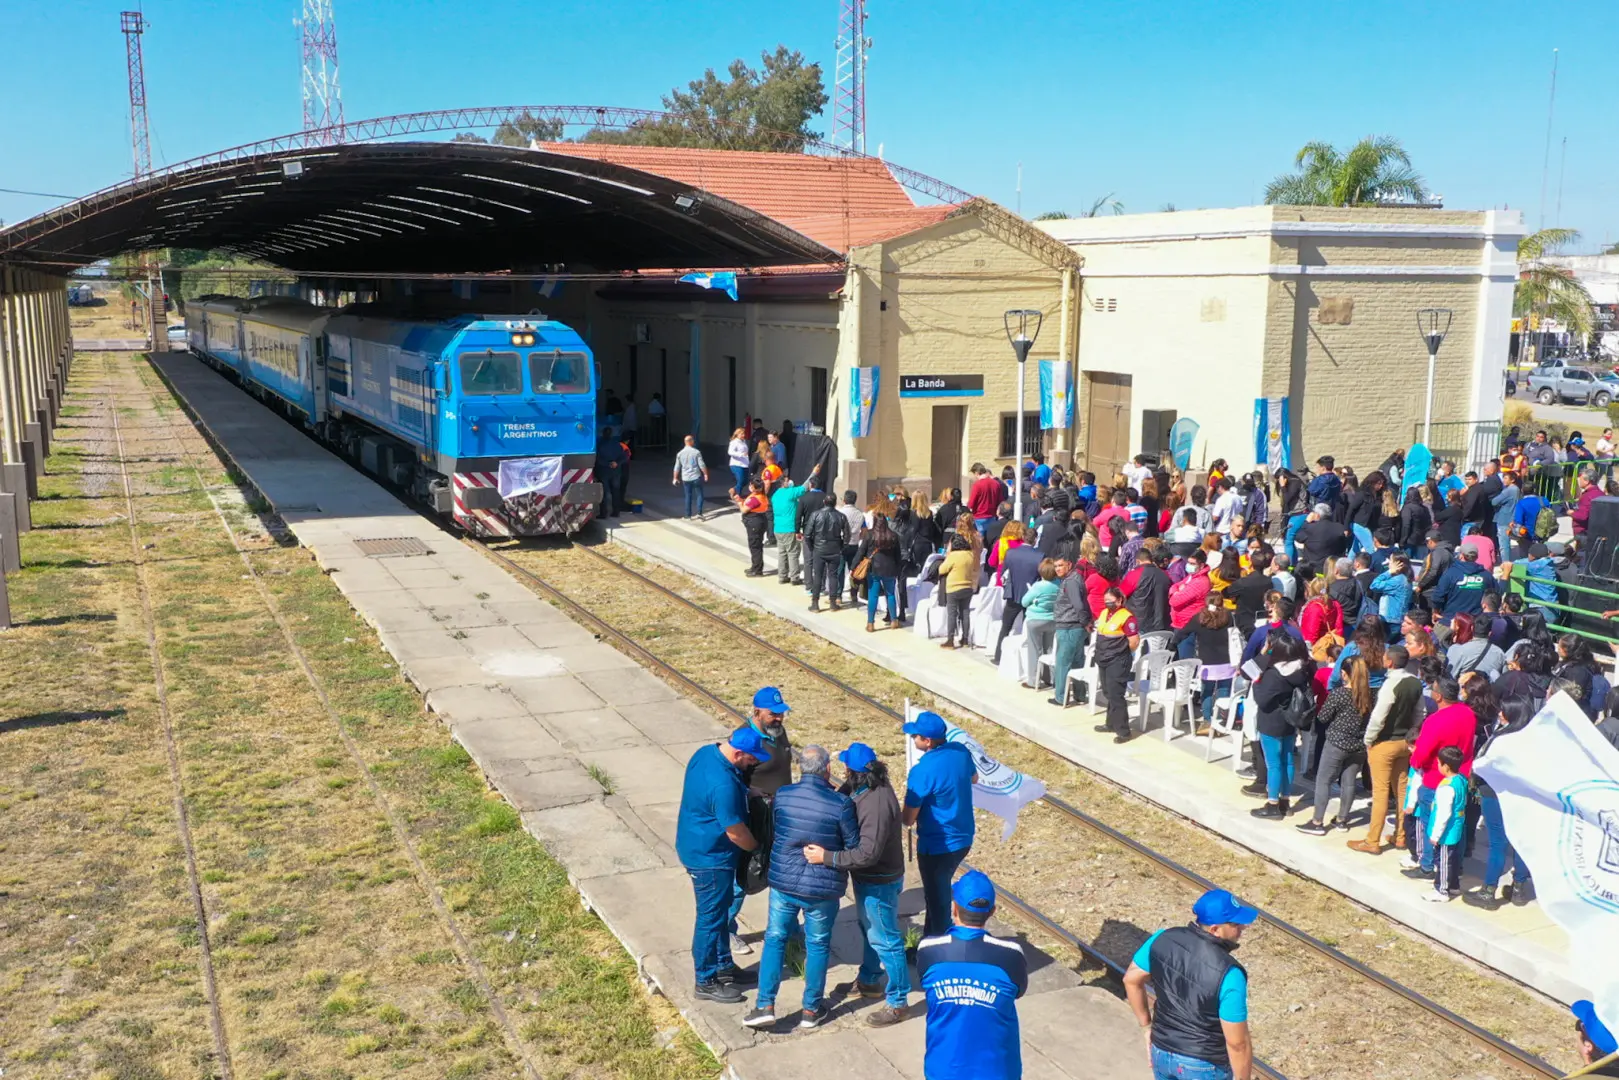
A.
x: 522, y: 339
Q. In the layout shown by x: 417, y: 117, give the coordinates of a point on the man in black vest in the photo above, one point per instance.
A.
x: 1201, y: 1023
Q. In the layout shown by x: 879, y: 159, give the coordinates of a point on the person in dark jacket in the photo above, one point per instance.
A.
x: 1448, y: 519
x: 1478, y: 509
x: 1117, y: 638
x: 1199, y: 1022
x: 808, y: 812
x: 945, y: 515
x: 1248, y: 592
x: 1345, y: 589
x: 612, y: 465
x: 825, y: 534
x: 1324, y: 486
x: 1462, y: 586
x: 1295, y: 509
x: 1287, y: 667
x: 1440, y: 554
x: 877, y: 870
x: 769, y: 719
x: 882, y: 546
x: 1072, y: 617
x: 1322, y: 540
x: 1415, y: 521
x: 1019, y: 569
x: 1147, y: 594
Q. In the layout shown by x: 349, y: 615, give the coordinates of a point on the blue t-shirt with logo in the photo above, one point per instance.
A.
x: 1233, y: 988
x: 972, y: 982
x: 712, y: 800
x: 940, y: 786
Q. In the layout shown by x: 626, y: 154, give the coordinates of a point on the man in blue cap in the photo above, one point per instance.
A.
x: 939, y: 802
x: 711, y: 834
x: 1200, y: 1027
x: 972, y: 982
x: 1597, y: 1043
x: 769, y: 720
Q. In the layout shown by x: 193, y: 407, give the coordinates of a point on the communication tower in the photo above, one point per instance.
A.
x: 140, y: 132
x: 323, y: 96
x: 849, y: 92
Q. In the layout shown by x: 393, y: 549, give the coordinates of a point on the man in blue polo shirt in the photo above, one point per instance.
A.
x: 939, y: 802
x: 972, y: 982
x: 1200, y: 1025
x: 710, y: 836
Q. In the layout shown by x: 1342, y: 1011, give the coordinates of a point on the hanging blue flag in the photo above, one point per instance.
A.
x: 1056, y: 395
x: 724, y: 280
x: 862, y: 400
x: 1273, y: 437
x: 1418, y: 463
x: 1181, y: 437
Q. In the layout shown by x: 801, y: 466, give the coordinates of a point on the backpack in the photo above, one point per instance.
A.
x: 1545, y: 523
x: 1299, y: 712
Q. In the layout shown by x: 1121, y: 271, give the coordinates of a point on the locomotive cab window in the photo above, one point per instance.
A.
x: 557, y: 372
x: 491, y: 372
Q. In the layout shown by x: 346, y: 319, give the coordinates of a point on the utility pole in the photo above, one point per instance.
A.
x: 1546, y: 159
x: 322, y: 94
x: 849, y: 90
x: 134, y: 24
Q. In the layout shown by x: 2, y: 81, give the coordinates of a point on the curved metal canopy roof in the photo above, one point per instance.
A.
x: 412, y: 207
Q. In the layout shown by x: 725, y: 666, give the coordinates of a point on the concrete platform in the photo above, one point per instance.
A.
x: 537, y: 702
x: 1522, y: 943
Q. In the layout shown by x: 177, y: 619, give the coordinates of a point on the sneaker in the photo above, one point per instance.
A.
x: 1522, y: 893
x: 1103, y: 729
x: 1417, y: 873
x: 750, y: 572
x: 1057, y: 702
x: 1269, y: 810
x: 1482, y: 897
x: 1312, y: 828
x: 887, y: 1016
x: 760, y: 1018
x: 739, y: 947
x: 814, y: 1018
x: 724, y: 993
x: 1124, y: 738
x: 1408, y: 863
x: 1436, y: 897
x: 869, y: 990
x: 1255, y: 789
x: 735, y: 976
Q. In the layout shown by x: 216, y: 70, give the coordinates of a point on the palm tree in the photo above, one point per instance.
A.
x: 1547, y: 290
x: 1106, y: 202
x: 1375, y: 170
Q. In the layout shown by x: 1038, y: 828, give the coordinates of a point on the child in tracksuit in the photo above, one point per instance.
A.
x: 1446, y: 826
x: 1413, y: 820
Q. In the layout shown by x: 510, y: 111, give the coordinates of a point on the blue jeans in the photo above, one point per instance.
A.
x: 1066, y: 654
x: 818, y: 918
x: 1168, y: 1066
x: 937, y: 872
x: 694, y: 494
x: 710, y: 937
x: 888, y: 588
x: 1213, y: 688
x: 1278, y: 764
x: 1495, y: 863
x: 737, y: 896
x: 877, y: 908
x: 1362, y: 540
x: 1424, y: 815
x: 1295, y: 522
x: 739, y: 479
x: 981, y: 524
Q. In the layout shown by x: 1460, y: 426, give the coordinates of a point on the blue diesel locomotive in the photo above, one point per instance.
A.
x: 491, y: 421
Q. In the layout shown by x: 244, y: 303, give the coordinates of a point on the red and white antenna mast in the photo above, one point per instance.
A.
x: 849, y: 92
x: 140, y: 132
x: 323, y: 95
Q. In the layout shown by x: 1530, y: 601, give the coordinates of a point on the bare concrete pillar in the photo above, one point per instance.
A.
x: 13, y: 470
x: 10, y: 549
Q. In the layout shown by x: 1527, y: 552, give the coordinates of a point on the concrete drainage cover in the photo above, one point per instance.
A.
x: 523, y: 665
x: 384, y: 546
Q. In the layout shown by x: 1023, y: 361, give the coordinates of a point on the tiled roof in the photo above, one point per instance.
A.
x: 840, y: 202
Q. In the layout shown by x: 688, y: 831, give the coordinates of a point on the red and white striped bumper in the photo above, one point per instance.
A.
x: 524, y: 515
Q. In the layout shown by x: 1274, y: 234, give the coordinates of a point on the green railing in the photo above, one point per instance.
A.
x: 1519, y: 583
x: 1556, y: 482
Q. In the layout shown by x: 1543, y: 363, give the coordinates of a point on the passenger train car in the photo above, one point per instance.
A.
x: 443, y: 409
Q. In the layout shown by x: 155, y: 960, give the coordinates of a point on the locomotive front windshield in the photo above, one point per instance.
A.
x: 556, y: 372
x: 491, y: 372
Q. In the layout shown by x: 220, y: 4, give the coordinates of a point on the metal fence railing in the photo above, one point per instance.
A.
x: 1586, y: 622
x: 1469, y: 443
x: 1557, y: 483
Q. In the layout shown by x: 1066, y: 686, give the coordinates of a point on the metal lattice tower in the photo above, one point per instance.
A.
x: 849, y: 91
x: 323, y: 95
x: 140, y: 132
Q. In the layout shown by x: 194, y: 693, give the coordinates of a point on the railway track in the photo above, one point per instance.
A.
x: 1519, y: 1061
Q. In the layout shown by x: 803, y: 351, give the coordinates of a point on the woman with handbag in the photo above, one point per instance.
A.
x: 1344, y: 715
x: 1321, y: 621
x: 877, y: 564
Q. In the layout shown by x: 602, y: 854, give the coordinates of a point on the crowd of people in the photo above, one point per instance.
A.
x: 1366, y: 639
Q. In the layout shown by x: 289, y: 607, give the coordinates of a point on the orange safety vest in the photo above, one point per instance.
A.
x: 1112, y: 624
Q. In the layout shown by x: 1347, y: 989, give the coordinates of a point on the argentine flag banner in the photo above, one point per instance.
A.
x: 862, y: 400
x: 1056, y: 395
x: 1558, y: 782
x: 1273, y: 437
x: 1001, y: 789
x: 724, y: 281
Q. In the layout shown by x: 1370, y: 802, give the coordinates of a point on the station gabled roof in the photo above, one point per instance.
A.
x: 420, y: 208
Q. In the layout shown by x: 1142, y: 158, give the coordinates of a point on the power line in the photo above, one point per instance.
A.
x: 41, y: 194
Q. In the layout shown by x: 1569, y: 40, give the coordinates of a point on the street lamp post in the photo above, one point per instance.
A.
x: 1433, y: 324
x: 1022, y: 327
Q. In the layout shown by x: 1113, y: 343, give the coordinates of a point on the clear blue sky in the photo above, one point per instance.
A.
x: 1195, y: 104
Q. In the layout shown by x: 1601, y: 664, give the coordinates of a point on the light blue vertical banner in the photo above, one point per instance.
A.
x: 1181, y: 437
x: 862, y: 400
x: 696, y: 384
x: 1056, y: 395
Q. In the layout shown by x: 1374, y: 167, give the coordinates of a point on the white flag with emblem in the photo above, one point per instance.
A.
x: 1558, y: 782
x: 1001, y: 789
x: 530, y: 476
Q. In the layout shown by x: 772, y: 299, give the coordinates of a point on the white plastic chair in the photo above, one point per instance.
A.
x: 987, y: 606
x: 1171, y: 693
x: 1231, y: 718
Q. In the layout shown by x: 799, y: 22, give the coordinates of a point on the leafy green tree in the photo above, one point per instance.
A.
x: 1106, y: 202
x: 525, y: 129
x: 467, y: 136
x: 1053, y: 215
x: 1547, y: 290
x: 1375, y: 170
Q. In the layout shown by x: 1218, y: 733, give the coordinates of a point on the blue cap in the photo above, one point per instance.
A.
x: 858, y: 757
x: 749, y: 741
x: 1218, y: 906
x: 974, y: 891
x: 929, y: 725
x: 1595, y: 1029
x: 770, y: 699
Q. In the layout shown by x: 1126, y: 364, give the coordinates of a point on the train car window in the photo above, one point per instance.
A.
x: 490, y: 372
x: 553, y: 371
